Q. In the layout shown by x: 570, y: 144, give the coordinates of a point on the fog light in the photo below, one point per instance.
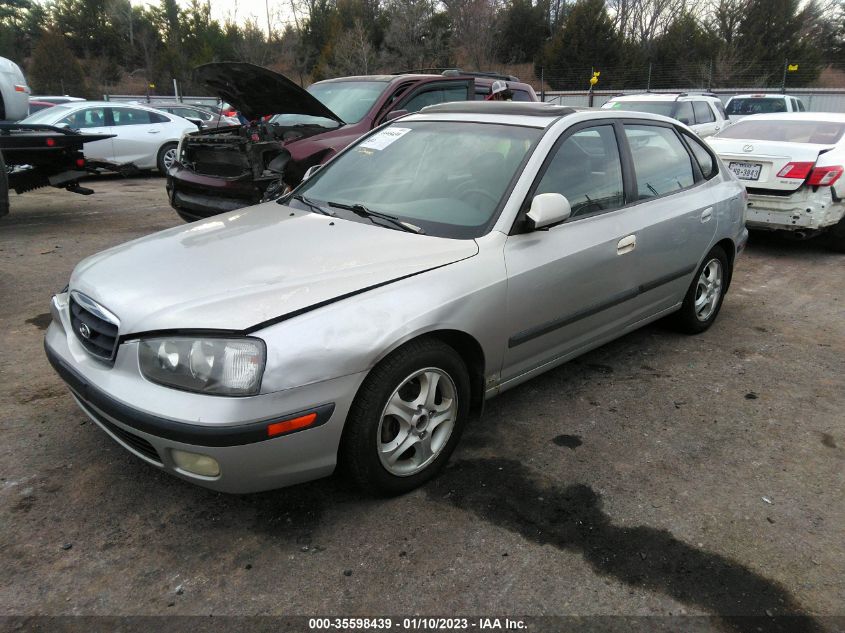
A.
x: 196, y: 463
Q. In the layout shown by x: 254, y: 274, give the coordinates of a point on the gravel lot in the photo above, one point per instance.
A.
x: 660, y: 474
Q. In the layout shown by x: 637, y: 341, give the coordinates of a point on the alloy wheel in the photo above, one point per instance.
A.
x: 708, y: 290
x: 417, y: 421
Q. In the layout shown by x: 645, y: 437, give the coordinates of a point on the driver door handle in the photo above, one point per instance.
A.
x: 626, y: 245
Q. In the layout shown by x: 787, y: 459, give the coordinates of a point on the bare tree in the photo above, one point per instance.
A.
x: 473, y: 26
x: 413, y: 40
x: 643, y: 21
x: 353, y: 52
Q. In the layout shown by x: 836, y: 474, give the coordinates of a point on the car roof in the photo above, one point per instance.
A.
x: 830, y: 117
x: 767, y: 95
x: 109, y: 104
x: 482, y: 81
x: 663, y: 96
x: 531, y: 114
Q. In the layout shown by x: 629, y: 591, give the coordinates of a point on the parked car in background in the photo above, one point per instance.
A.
x: 791, y: 165
x: 14, y: 92
x: 206, y: 118
x: 57, y: 99
x: 434, y: 263
x: 703, y: 113
x: 741, y: 106
x: 144, y: 138
x: 35, y: 106
x: 222, y: 170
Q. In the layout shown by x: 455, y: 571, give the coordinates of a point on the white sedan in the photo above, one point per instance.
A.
x: 791, y: 165
x: 143, y: 138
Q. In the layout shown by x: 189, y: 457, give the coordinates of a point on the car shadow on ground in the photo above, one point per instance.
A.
x: 777, y: 245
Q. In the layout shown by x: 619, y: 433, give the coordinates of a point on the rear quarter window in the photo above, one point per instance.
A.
x: 706, y: 161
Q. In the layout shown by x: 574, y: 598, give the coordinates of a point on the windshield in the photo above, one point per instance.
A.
x: 666, y: 108
x: 47, y: 114
x: 350, y: 100
x: 818, y: 132
x: 756, y: 105
x: 448, y: 178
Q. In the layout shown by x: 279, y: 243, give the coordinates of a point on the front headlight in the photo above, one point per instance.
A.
x: 220, y: 366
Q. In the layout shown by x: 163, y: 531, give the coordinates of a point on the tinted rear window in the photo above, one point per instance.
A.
x: 666, y: 108
x: 756, y: 105
x: 821, y: 132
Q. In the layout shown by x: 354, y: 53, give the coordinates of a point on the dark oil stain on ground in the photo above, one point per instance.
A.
x: 569, y: 441
x: 827, y: 440
x: 572, y: 519
x: 42, y: 321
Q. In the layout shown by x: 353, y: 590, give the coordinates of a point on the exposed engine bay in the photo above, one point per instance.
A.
x: 256, y: 150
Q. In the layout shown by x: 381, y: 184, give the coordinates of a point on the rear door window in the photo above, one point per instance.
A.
x: 703, y: 113
x: 436, y: 94
x: 684, y: 113
x: 586, y: 168
x: 133, y: 116
x: 662, y: 164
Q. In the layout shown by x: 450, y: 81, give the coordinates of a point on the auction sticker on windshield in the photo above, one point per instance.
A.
x: 382, y: 139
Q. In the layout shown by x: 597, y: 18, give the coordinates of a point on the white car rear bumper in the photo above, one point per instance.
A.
x: 803, y: 210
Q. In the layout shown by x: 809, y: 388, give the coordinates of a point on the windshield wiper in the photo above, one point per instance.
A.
x: 311, y: 204
x: 364, y: 212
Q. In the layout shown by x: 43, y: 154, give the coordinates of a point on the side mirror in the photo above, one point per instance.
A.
x: 394, y: 115
x: 197, y: 122
x: 548, y: 209
x: 310, y: 172
x: 684, y: 120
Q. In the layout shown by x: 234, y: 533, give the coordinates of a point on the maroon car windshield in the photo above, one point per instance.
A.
x: 350, y: 100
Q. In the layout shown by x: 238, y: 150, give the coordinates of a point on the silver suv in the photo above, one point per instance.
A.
x: 439, y: 260
x: 703, y: 113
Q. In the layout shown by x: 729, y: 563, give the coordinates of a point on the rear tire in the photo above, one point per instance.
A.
x: 705, y: 295
x: 166, y: 157
x: 407, y: 418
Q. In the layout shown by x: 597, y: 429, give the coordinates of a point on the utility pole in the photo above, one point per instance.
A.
x: 267, y: 10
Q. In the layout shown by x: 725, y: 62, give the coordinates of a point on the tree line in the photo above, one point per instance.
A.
x: 88, y: 47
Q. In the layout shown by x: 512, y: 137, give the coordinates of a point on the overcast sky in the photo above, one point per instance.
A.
x: 242, y: 10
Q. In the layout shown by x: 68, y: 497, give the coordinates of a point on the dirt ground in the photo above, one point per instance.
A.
x: 658, y: 475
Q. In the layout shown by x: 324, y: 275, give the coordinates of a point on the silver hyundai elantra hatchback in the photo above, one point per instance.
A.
x: 366, y: 316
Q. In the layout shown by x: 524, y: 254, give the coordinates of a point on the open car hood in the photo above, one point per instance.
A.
x: 256, y: 92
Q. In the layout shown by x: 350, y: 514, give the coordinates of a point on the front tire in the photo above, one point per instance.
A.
x: 166, y: 157
x: 705, y: 295
x: 407, y: 418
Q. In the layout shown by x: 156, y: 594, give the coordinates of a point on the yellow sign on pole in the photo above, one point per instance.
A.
x: 792, y: 68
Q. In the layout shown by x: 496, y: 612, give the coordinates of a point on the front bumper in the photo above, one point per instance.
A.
x: 152, y: 421
x: 197, y: 196
x: 804, y: 210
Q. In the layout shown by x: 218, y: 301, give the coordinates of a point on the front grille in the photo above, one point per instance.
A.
x: 135, y: 442
x: 93, y: 326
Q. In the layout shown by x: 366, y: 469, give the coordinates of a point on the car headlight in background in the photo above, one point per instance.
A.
x: 219, y: 366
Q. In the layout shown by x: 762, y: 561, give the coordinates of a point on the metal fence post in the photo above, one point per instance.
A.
x: 542, y: 84
x: 783, y: 81
x: 648, y: 84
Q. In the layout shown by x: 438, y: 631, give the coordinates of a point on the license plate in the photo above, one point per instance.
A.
x: 746, y: 171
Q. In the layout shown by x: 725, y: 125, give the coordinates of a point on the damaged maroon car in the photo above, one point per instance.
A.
x: 223, y: 169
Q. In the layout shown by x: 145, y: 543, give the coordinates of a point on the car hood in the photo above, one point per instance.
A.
x: 245, y: 268
x: 257, y: 92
